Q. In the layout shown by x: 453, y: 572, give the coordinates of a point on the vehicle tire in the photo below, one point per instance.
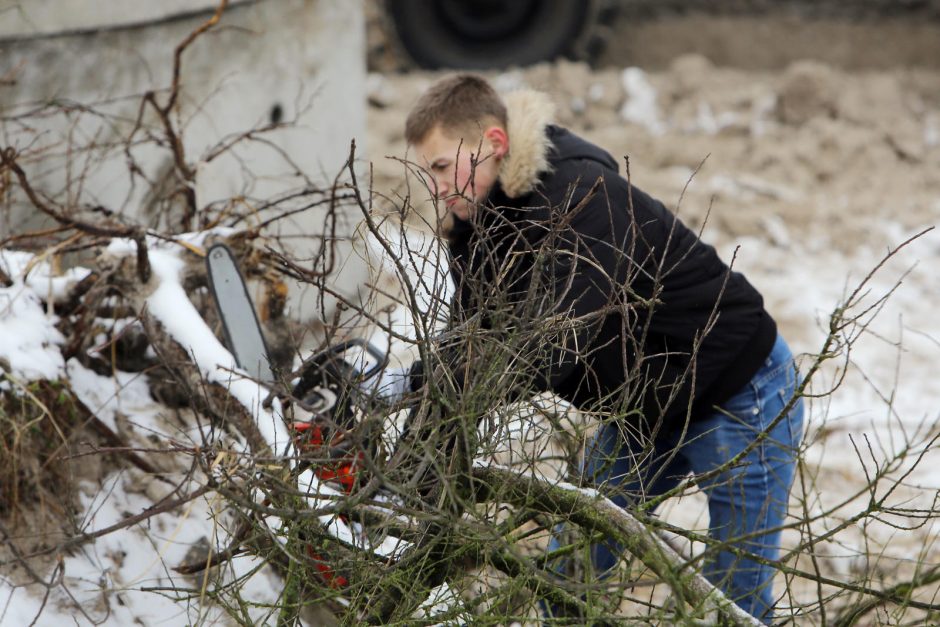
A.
x: 484, y: 34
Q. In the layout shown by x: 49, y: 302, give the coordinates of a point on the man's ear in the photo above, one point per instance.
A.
x: 498, y: 140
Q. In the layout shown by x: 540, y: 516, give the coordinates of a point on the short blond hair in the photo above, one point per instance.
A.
x: 459, y: 104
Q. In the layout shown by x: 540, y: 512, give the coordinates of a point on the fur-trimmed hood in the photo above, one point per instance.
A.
x: 529, y: 113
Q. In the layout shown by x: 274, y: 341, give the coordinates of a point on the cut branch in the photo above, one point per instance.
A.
x: 593, y: 513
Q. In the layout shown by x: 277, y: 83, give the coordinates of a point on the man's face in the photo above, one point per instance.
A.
x: 462, y: 172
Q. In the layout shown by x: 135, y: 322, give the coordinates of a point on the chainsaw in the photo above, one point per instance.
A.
x: 326, y: 390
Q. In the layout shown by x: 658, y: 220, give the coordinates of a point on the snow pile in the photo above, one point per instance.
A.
x: 30, y: 346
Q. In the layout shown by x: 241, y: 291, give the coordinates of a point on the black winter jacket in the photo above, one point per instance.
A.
x: 616, y: 305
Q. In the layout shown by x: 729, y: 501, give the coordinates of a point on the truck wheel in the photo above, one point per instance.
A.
x: 482, y: 34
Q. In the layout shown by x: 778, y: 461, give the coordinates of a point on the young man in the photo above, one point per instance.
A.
x: 625, y: 312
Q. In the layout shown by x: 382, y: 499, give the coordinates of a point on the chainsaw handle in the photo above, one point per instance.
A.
x: 327, y: 365
x: 381, y: 359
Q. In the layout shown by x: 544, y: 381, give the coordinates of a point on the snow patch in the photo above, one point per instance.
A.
x: 932, y: 131
x: 124, y: 393
x: 29, y: 339
x: 640, y: 106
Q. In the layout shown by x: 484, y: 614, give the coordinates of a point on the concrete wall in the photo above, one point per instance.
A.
x: 31, y: 18
x: 302, y: 60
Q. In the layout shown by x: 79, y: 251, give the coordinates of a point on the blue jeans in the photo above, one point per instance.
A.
x: 743, y: 501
